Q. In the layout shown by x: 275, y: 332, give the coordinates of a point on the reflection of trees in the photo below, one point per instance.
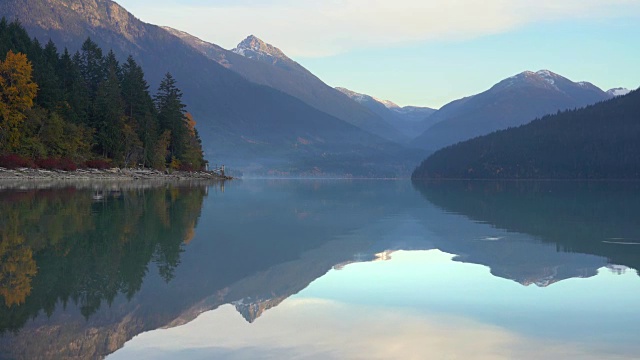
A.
x: 17, y: 267
x: 87, y: 252
x: 576, y: 216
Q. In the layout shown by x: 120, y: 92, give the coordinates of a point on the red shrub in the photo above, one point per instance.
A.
x: 13, y: 161
x: 67, y: 164
x: 48, y: 164
x: 98, y: 164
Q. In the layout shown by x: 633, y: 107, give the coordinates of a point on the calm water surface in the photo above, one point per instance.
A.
x: 321, y: 270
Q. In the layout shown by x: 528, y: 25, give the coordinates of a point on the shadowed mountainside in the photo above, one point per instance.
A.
x: 512, y: 102
x: 265, y: 64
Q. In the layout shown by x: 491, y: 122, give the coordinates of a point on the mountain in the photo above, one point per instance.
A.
x: 512, y: 102
x: 618, y: 91
x: 596, y: 142
x: 256, y: 49
x: 242, y: 124
x: 265, y: 64
x: 411, y: 121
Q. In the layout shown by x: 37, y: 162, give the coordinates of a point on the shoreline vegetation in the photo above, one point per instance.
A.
x: 85, y: 115
x: 124, y: 174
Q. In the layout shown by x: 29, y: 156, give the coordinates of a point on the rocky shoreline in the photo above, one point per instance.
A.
x: 107, y: 174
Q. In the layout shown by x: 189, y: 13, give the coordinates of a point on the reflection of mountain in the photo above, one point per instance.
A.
x: 569, y: 218
x: 258, y: 244
x: 226, y: 262
x: 251, y: 309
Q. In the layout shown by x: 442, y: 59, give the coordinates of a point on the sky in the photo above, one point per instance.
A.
x: 424, y: 52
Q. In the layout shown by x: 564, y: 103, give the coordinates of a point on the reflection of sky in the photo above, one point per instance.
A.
x: 418, y: 305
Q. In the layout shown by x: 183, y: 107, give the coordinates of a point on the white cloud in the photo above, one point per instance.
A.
x: 315, y: 29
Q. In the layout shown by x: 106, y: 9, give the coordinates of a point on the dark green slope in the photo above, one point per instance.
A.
x: 597, y: 142
x: 242, y: 124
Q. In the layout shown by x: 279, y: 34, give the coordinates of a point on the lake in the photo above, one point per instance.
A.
x: 320, y: 269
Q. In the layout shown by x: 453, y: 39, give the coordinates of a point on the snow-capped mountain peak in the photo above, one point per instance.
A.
x: 389, y: 104
x: 254, y: 48
x: 362, y: 98
x: 618, y: 91
x: 546, y: 73
x: 546, y: 79
x: 548, y: 76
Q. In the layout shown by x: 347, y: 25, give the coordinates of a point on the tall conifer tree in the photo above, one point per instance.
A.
x: 139, y: 108
x: 171, y: 115
x: 109, y: 117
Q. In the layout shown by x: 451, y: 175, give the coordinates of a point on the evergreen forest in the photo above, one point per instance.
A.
x: 60, y: 110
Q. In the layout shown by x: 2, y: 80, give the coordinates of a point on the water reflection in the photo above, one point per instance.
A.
x: 61, y: 248
x: 598, y: 218
x: 112, y: 262
x: 419, y: 305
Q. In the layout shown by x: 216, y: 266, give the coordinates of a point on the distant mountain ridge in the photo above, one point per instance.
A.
x: 511, y: 102
x: 265, y: 64
x: 618, y: 91
x: 410, y: 120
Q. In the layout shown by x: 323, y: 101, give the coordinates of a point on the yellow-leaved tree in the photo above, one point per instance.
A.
x: 17, y: 91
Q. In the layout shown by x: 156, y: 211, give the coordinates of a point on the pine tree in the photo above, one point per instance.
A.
x: 171, y: 115
x: 46, y: 75
x: 75, y: 96
x: 91, y: 64
x: 111, y: 62
x: 109, y: 117
x: 18, y: 37
x: 139, y: 108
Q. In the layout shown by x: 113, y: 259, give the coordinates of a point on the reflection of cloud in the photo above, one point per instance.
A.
x: 314, y: 28
x: 310, y: 328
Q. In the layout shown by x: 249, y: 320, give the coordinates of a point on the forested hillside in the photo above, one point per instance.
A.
x: 596, y: 142
x: 62, y: 110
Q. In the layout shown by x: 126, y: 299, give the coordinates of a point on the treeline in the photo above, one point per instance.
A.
x: 61, y: 110
x: 596, y: 142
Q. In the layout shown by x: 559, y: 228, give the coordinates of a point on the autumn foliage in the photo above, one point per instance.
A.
x: 17, y: 91
x: 63, y: 110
